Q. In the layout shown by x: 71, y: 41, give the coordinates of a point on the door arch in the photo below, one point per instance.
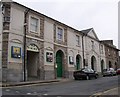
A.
x: 78, y: 62
x: 93, y: 63
x: 32, y: 62
x: 59, y: 63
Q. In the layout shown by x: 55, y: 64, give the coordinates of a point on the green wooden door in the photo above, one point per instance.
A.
x: 59, y: 64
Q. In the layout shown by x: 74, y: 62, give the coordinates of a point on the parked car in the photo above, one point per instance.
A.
x: 85, y: 73
x: 109, y: 72
x: 118, y: 71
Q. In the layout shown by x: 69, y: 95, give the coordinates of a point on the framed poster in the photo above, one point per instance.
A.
x: 49, y: 57
x: 15, y: 52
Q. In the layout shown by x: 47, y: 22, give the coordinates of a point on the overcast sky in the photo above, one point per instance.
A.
x: 102, y: 15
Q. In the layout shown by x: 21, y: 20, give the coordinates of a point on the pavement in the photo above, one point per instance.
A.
x: 32, y: 82
x: 113, y: 91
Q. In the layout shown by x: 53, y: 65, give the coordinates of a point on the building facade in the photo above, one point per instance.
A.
x: 36, y: 47
x: 94, y: 51
x: 111, y: 54
x: 119, y: 28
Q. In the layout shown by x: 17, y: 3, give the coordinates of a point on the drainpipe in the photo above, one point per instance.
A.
x: 83, y: 49
x: 25, y: 24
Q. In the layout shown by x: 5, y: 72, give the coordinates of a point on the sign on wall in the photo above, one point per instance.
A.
x: 15, y: 52
x: 49, y: 57
x: 71, y: 60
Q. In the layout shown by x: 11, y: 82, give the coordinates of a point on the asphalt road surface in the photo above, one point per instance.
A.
x: 72, y: 87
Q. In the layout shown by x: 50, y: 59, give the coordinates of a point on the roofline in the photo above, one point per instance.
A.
x: 109, y: 45
x: 83, y: 34
x: 47, y: 17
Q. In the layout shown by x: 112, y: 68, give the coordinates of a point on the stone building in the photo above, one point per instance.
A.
x: 93, y: 50
x: 119, y: 29
x: 34, y: 46
x: 111, y: 54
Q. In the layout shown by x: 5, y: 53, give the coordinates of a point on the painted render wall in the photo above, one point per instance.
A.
x: 72, y: 47
x: 102, y: 56
x: 89, y: 52
x: 49, y: 47
x: 15, y: 65
x: 119, y: 28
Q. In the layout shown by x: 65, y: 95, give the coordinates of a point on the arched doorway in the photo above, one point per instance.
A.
x: 110, y: 64
x: 93, y: 63
x: 59, y: 63
x: 78, y: 62
x: 102, y: 66
x: 32, y: 62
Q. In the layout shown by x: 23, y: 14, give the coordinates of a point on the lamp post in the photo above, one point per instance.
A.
x: 83, y: 50
x: 25, y: 29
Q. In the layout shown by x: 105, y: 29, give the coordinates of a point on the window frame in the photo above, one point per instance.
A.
x: 57, y: 33
x: 71, y: 60
x: 93, y: 45
x: 49, y: 57
x: 102, y: 49
x: 38, y: 25
x: 77, y: 40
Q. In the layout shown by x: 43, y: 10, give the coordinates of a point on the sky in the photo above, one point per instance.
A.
x: 101, y: 15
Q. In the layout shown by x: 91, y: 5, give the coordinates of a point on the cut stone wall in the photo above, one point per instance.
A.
x: 49, y: 74
x: 14, y: 75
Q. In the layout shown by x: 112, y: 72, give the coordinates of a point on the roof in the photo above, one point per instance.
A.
x: 86, y: 31
x: 109, y: 45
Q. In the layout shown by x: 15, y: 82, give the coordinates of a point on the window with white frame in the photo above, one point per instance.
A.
x: 71, y: 60
x: 60, y: 33
x: 34, y: 24
x: 78, y: 40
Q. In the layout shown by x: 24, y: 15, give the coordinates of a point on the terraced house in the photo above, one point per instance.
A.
x: 34, y: 46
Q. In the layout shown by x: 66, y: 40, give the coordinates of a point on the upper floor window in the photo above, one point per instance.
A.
x: 109, y: 52
x: 101, y: 49
x: 92, y: 42
x: 34, y: 24
x: 60, y: 34
x: 78, y: 40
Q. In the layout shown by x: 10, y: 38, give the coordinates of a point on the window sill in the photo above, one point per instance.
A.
x: 78, y: 45
x: 34, y: 33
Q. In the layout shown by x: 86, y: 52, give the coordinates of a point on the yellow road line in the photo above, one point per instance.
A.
x: 101, y: 93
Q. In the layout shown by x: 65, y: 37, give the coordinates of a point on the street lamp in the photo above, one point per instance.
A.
x: 25, y: 29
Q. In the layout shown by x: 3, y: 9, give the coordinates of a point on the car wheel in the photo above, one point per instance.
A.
x: 96, y: 77
x: 76, y: 78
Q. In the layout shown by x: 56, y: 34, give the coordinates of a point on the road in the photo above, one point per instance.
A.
x: 72, y: 87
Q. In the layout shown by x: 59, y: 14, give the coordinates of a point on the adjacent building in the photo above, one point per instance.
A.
x: 34, y: 46
x: 119, y: 28
x: 111, y: 54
